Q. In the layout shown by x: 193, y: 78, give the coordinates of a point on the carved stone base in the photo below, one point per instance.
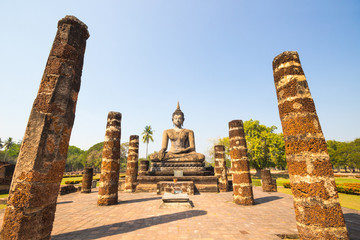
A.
x: 201, y: 183
x: 188, y: 168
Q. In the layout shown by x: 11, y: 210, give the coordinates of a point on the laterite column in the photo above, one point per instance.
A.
x: 317, y: 208
x: 242, y: 185
x: 132, y: 164
x: 267, y: 183
x: 40, y: 166
x: 110, y: 164
x: 144, y: 167
x: 220, y: 168
x: 87, y: 180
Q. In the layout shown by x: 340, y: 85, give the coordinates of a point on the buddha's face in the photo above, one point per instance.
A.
x: 178, y: 120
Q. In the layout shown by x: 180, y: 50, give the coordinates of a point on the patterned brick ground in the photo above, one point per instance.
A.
x: 214, y: 216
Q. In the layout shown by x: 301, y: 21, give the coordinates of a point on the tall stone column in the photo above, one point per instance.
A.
x: 144, y: 167
x: 220, y: 168
x: 87, y: 180
x: 242, y: 184
x: 110, y: 164
x: 132, y: 164
x: 40, y: 166
x: 317, y: 208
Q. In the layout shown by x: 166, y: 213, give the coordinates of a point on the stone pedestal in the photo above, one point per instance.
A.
x: 40, y: 166
x: 171, y: 187
x: 110, y: 164
x: 242, y: 185
x: 220, y: 168
x: 268, y: 184
x: 317, y: 208
x: 87, y: 180
x: 132, y: 164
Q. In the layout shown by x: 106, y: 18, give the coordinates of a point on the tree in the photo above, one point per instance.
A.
x: 7, y: 145
x: 147, y: 135
x: 265, y: 148
x: 1, y: 144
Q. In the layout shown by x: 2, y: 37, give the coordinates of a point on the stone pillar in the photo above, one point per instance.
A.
x: 268, y: 184
x: 110, y: 164
x: 132, y: 164
x: 317, y: 208
x: 241, y: 178
x: 87, y: 180
x: 220, y: 168
x: 40, y: 166
x: 144, y: 167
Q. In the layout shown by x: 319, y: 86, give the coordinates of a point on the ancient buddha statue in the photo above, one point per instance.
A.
x: 181, y: 154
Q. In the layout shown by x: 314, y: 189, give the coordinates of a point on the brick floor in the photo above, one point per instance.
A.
x: 214, y: 216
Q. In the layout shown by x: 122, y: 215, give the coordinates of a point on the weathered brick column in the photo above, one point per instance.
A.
x: 144, y: 167
x: 317, y: 208
x: 87, y: 180
x: 220, y: 168
x: 40, y: 166
x: 242, y: 184
x: 132, y: 164
x: 268, y: 184
x: 110, y: 164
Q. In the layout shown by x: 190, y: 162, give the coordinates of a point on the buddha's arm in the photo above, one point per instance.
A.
x: 191, y: 148
x: 164, y: 144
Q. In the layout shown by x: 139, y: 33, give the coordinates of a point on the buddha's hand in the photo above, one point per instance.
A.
x: 162, y: 154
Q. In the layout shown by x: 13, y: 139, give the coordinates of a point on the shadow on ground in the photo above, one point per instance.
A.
x: 266, y: 199
x: 353, y: 225
x: 128, y: 226
x: 138, y: 200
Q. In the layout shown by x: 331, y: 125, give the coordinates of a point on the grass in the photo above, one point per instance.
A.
x: 346, y: 200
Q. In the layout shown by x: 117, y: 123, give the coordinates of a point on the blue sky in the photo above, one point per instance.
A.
x: 215, y: 57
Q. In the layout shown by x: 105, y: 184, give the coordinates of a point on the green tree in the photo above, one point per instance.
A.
x: 147, y: 135
x: 265, y: 148
x: 1, y: 144
x: 74, y: 159
x: 7, y: 145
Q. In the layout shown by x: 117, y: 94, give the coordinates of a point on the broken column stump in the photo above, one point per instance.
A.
x: 87, y: 180
x: 267, y: 183
x: 40, y: 166
x: 220, y: 168
x: 242, y: 185
x: 317, y: 208
x: 110, y: 164
x: 144, y: 167
x: 132, y: 164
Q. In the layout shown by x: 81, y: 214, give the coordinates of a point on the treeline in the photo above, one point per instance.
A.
x: 267, y: 149
x: 78, y: 159
x: 345, y: 155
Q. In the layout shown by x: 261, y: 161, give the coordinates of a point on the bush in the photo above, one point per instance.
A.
x: 349, y: 188
x: 286, y: 184
x: 73, y: 182
x: 68, y: 176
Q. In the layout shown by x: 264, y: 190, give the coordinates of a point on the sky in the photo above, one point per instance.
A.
x: 214, y: 57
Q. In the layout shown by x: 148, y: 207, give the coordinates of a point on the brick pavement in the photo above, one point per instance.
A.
x: 214, y: 216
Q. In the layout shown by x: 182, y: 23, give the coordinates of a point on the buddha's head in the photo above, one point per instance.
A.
x: 178, y: 117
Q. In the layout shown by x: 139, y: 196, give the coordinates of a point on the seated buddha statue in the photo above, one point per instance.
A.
x: 182, y: 140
